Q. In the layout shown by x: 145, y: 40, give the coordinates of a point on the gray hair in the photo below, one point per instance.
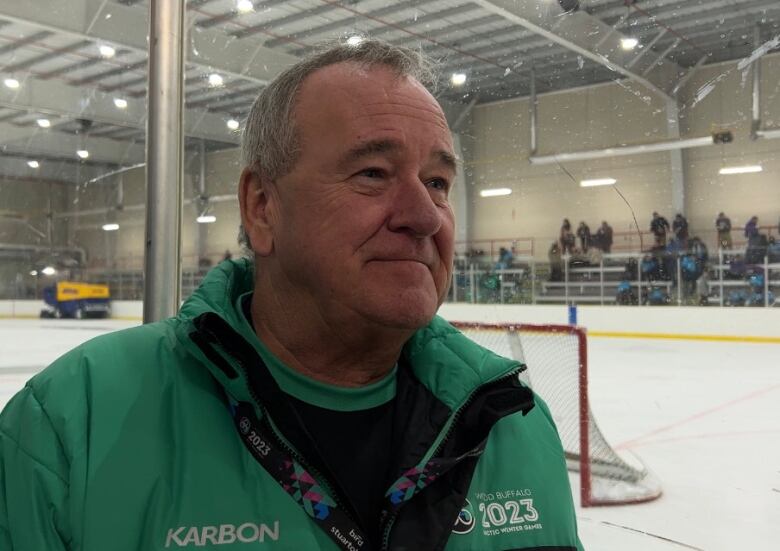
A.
x: 270, y: 141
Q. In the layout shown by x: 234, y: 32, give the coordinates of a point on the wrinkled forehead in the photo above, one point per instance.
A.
x: 366, y: 90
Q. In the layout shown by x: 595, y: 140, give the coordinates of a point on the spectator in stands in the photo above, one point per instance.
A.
x: 723, y: 225
x: 751, y: 228
x: 505, y: 259
x: 556, y: 262
x: 757, y: 242
x: 604, y: 237
x: 566, y: 238
x: 583, y: 232
x: 680, y: 229
x: 228, y: 255
x: 659, y: 226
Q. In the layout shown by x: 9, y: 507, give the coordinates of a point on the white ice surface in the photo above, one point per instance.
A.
x: 704, y: 416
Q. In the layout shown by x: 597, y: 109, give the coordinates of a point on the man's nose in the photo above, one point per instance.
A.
x: 414, y: 210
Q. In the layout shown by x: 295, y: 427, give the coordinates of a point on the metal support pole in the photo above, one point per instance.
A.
x: 472, y: 284
x: 601, y: 280
x: 720, y: 273
x: 566, y: 277
x: 755, y: 124
x: 679, y: 281
x: 533, y: 281
x: 766, y: 281
x: 454, y: 284
x: 639, y: 280
x: 164, y: 160
x: 202, y: 204
x: 533, y: 113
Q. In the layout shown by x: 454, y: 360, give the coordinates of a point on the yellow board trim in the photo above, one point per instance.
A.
x: 678, y: 336
x: 19, y: 317
x: 608, y: 334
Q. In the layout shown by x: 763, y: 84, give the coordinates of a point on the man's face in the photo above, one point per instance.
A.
x: 362, y: 224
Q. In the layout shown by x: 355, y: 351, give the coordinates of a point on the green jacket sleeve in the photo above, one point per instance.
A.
x: 33, y: 479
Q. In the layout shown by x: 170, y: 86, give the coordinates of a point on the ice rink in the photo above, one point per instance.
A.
x: 704, y: 416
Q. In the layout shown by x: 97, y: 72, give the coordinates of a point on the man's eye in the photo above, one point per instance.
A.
x: 439, y: 183
x: 372, y: 173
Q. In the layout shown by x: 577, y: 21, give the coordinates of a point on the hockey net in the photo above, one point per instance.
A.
x: 556, y: 356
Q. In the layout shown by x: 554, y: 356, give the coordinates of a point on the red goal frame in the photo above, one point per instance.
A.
x: 587, y: 498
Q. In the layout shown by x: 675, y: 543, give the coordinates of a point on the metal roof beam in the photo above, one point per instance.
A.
x: 349, y: 21
x: 53, y: 97
x: 59, y: 145
x: 580, y: 32
x: 15, y: 167
x: 281, y: 22
x: 26, y: 64
x: 127, y: 26
x: 215, y: 19
x: 24, y: 41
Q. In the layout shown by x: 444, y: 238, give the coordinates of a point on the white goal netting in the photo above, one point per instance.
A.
x: 556, y: 356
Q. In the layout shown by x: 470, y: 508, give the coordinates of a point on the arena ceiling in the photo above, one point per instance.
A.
x: 82, y: 65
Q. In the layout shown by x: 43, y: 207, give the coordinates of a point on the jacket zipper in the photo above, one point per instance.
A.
x: 450, y: 429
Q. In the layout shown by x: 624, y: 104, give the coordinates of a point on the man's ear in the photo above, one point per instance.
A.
x: 257, y: 200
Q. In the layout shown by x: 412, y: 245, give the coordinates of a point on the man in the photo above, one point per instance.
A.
x: 583, y: 232
x: 751, y: 229
x: 680, y: 229
x: 309, y: 400
x: 659, y: 226
x: 604, y: 237
x: 566, y: 238
x: 723, y: 225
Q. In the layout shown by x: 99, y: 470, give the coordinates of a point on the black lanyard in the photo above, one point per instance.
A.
x: 299, y: 483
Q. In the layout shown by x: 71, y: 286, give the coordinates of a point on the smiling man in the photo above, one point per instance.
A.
x: 308, y: 398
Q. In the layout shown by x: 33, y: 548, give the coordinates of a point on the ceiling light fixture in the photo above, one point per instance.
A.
x: 82, y: 153
x: 497, y: 192
x: 233, y: 124
x: 120, y: 103
x: 628, y: 43
x: 245, y: 6
x: 740, y: 169
x: 110, y: 227
x: 206, y: 219
x: 354, y: 40
x: 11, y: 83
x: 33, y: 272
x: 598, y: 182
x: 33, y: 164
x: 458, y: 79
x: 49, y: 270
x: 106, y: 51
x: 216, y: 80
x: 44, y: 123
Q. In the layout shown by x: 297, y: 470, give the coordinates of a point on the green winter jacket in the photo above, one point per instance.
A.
x: 159, y: 437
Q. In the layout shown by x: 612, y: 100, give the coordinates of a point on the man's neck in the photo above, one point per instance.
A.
x: 341, y: 354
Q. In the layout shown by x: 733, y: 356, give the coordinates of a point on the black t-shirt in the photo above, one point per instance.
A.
x: 352, y: 433
x: 356, y: 446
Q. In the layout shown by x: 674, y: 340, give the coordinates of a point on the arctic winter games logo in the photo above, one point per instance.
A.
x: 465, y: 522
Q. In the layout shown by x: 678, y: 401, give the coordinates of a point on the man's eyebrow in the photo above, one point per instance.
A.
x: 388, y: 146
x: 370, y: 148
x: 448, y: 159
